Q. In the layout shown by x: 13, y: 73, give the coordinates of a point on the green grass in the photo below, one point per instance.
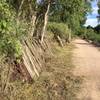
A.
x: 57, y: 81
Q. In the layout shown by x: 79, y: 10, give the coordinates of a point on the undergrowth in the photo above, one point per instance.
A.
x: 57, y: 81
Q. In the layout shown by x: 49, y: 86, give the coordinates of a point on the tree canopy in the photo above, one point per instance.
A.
x: 28, y: 18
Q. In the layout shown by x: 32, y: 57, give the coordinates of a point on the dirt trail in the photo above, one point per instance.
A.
x: 87, y: 62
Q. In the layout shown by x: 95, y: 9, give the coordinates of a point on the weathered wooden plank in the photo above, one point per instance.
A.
x: 27, y: 64
x: 34, y: 54
x: 31, y: 61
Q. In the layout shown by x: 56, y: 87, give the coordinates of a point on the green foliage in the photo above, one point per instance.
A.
x: 59, y: 29
x: 72, y: 12
x: 10, y: 32
x: 90, y: 34
x: 64, y: 15
x: 9, y: 44
x: 97, y: 29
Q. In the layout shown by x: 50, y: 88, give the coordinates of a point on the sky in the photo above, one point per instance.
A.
x: 91, y: 18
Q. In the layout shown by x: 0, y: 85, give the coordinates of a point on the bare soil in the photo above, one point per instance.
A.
x: 87, y: 61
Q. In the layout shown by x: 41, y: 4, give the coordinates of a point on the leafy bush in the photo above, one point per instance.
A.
x: 9, y: 44
x: 10, y: 32
x: 90, y: 34
x: 97, y: 38
x: 59, y: 29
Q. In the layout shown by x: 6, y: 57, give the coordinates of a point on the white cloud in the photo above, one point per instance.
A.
x: 95, y: 11
x: 92, y: 21
x: 92, y: 18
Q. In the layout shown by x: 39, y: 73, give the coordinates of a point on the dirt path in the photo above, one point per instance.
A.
x: 87, y: 62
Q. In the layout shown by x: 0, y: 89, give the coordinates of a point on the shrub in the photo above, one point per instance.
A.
x: 59, y: 29
x: 10, y: 32
x: 90, y: 34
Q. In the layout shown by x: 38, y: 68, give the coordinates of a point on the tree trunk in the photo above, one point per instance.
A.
x: 32, y: 25
x: 19, y: 11
x: 45, y: 22
x: 60, y: 41
x: 69, y: 37
x: 33, y: 19
x: 20, y: 7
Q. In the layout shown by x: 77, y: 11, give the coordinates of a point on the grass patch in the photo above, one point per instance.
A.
x: 56, y: 82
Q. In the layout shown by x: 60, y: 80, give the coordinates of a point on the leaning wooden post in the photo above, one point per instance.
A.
x: 45, y: 22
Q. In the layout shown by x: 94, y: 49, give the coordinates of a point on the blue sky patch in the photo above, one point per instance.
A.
x: 92, y: 18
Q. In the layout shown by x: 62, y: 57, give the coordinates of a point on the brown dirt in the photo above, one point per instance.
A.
x: 87, y: 62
